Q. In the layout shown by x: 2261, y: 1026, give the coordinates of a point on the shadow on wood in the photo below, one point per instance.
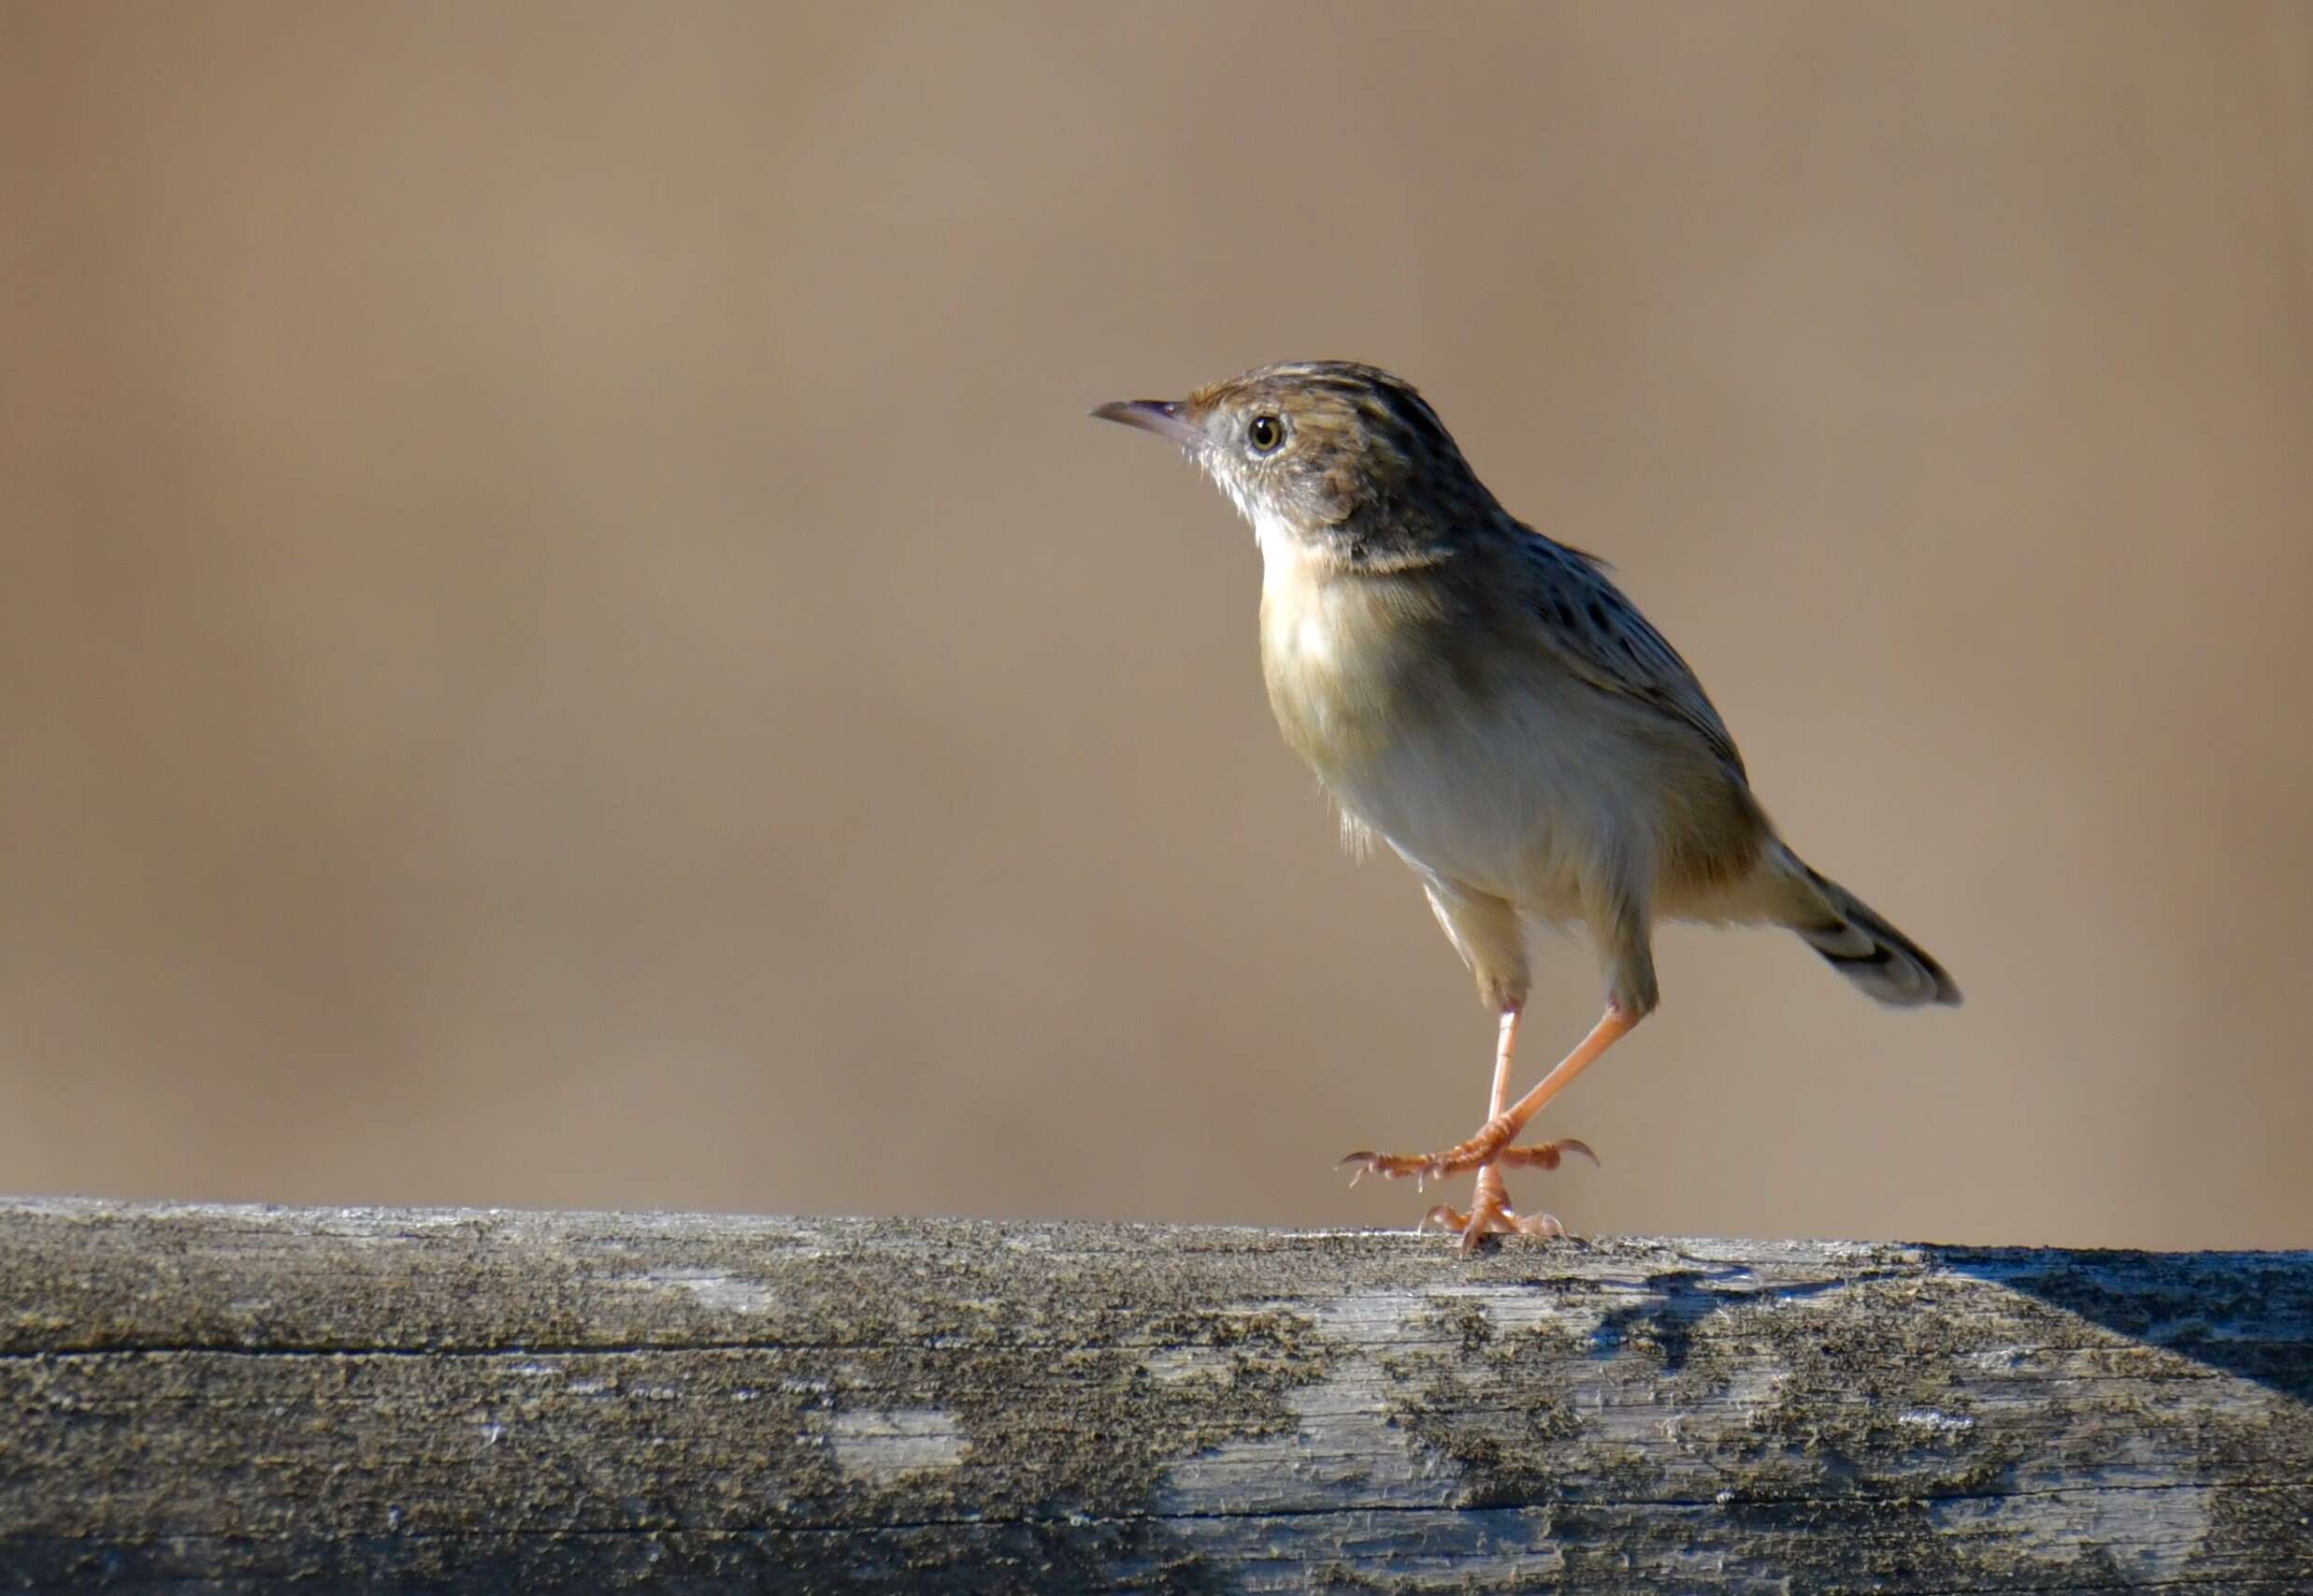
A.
x: 243, y: 1398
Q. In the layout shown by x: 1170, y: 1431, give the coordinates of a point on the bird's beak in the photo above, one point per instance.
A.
x: 1166, y: 417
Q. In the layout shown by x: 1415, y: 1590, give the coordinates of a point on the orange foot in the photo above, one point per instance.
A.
x: 1480, y: 1150
x: 1490, y: 1212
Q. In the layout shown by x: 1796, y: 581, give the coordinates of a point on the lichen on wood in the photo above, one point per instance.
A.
x: 243, y: 1398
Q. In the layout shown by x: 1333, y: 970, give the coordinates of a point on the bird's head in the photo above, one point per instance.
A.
x: 1325, y: 451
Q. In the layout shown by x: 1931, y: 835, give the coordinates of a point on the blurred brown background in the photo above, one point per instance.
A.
x: 565, y: 636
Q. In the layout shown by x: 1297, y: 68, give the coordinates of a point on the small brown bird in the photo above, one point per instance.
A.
x: 1489, y: 704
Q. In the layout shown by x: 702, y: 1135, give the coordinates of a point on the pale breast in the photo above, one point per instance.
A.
x: 1364, y: 689
x: 1346, y: 656
x: 1494, y: 769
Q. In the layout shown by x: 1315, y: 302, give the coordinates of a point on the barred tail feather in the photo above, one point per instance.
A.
x: 1865, y: 948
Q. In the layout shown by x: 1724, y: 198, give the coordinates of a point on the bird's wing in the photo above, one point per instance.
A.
x: 1606, y: 642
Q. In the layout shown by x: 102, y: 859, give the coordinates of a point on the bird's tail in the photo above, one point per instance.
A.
x: 1860, y: 944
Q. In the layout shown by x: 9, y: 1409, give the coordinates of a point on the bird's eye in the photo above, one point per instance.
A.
x: 1265, y: 433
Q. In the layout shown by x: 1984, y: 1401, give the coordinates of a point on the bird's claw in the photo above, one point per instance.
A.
x: 1542, y: 1154
x: 1396, y: 1166
x: 1491, y: 1213
x: 1454, y: 1160
x: 1488, y: 1220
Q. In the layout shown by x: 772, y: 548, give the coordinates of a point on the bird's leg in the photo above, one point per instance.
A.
x: 1491, y: 1212
x: 1489, y: 1201
x: 1491, y: 1144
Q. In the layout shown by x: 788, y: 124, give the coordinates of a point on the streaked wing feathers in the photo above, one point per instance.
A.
x: 1609, y: 644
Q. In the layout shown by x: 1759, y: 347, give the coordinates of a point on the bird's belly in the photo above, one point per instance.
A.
x: 1508, y: 789
x: 1499, y: 771
x: 1502, y: 796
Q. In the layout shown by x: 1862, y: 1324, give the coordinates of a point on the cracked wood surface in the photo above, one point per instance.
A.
x: 245, y: 1399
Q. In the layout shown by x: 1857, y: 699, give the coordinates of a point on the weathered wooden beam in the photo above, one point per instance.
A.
x: 243, y: 1398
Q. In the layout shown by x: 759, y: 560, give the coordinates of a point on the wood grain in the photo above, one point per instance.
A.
x: 243, y: 1400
